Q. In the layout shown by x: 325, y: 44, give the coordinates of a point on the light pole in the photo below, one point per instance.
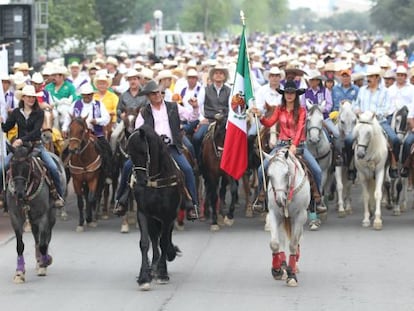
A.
x: 158, y: 27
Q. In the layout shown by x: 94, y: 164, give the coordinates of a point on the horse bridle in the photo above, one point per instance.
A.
x: 153, y: 181
x: 81, y: 140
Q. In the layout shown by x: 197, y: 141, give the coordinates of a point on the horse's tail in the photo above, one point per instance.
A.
x: 287, y: 224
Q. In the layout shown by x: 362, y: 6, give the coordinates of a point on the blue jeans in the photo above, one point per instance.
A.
x: 187, y: 143
x: 187, y: 170
x: 310, y: 162
x: 198, y: 139
x: 332, y: 128
x: 123, y: 184
x: 49, y: 163
x: 189, y: 127
x: 409, y: 141
x: 392, y: 136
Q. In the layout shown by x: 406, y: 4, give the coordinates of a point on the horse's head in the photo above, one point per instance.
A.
x: 280, y: 175
x: 78, y: 134
x: 130, y: 118
x: 20, y: 168
x: 148, y: 153
x: 47, y: 127
x: 314, y: 124
x: 364, y: 133
x: 346, y: 118
x: 399, y: 122
x: 220, y: 129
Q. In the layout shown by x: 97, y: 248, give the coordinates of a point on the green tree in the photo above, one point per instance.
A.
x: 73, y: 19
x: 394, y: 16
x: 265, y: 15
x: 115, y: 16
x: 208, y: 16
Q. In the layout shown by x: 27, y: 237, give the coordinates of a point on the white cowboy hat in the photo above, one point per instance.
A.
x: 23, y: 67
x: 132, y: 73
x: 401, y: 69
x: 37, y: 78
x: 314, y: 75
x: 219, y: 67
x: 4, y: 77
x: 86, y: 89
x: 111, y: 60
x: 59, y: 70
x: 192, y: 73
x: 373, y: 70
x: 74, y: 64
x: 147, y: 73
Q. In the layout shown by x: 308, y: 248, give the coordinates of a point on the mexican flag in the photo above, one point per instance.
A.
x: 234, y: 158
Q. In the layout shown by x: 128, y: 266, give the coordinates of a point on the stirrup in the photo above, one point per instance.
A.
x: 59, y: 201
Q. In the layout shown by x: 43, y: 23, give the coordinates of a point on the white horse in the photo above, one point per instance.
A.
x: 288, y: 198
x: 370, y: 156
x: 346, y: 122
x: 318, y: 144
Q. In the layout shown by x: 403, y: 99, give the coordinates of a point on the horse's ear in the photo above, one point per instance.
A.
x: 322, y: 105
x: 287, y: 154
x: 266, y: 156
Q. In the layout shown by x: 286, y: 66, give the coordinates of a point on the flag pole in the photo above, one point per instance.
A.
x: 259, y: 143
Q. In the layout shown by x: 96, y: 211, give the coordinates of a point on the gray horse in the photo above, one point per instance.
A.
x: 28, y: 198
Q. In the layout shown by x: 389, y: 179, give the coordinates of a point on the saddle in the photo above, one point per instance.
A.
x: 316, y: 196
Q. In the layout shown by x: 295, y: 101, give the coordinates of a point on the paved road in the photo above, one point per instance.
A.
x: 343, y: 267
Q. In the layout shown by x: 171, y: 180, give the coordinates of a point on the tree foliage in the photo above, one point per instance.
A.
x: 394, y: 16
x: 266, y: 15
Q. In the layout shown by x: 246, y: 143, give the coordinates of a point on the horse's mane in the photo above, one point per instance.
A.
x: 157, y: 148
x: 313, y: 109
x: 369, y: 118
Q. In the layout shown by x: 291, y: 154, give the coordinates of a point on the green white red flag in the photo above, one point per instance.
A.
x: 234, y: 158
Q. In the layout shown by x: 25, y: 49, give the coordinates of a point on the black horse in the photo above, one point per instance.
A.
x: 158, y: 191
x: 28, y: 196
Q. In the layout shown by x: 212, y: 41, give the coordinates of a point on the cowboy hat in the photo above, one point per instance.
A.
x: 4, y: 77
x: 290, y: 87
x: 219, y: 67
x: 28, y: 90
x: 132, y: 73
x: 373, y: 70
x: 150, y: 87
x: 314, y: 75
x: 23, y: 67
x: 37, y: 78
x: 111, y: 60
x: 86, y: 89
x: 402, y: 70
x: 192, y: 73
x: 101, y: 76
x: 147, y: 73
x: 165, y: 74
x: 74, y: 64
x: 59, y: 70
x: 292, y: 68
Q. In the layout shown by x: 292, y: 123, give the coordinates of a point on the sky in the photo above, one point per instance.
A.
x: 325, y: 6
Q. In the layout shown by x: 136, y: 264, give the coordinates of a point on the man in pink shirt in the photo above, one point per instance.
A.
x: 165, y: 117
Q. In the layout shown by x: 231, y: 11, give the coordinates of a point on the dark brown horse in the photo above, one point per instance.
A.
x: 211, y: 152
x: 85, y: 168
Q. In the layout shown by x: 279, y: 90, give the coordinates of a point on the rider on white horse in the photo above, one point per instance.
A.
x: 292, y: 118
x: 374, y: 97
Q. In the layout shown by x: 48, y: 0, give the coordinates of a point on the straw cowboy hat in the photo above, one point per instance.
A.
x: 292, y: 68
x: 111, y: 60
x: 59, y: 70
x: 290, y: 87
x: 132, y: 73
x: 23, y: 67
x: 192, y: 73
x: 101, y: 76
x: 219, y: 67
x: 28, y: 90
x: 4, y: 77
x: 165, y: 74
x: 74, y: 64
x: 150, y: 87
x: 19, y: 80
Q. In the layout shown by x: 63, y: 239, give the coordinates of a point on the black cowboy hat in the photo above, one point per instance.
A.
x: 290, y: 87
x: 150, y: 87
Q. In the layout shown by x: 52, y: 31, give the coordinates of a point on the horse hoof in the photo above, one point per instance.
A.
x: 179, y: 226
x: 145, y: 286
x: 249, y: 213
x: 228, y: 222
x: 64, y: 216
x: 214, y: 228
x: 377, y: 224
x: 291, y: 282
x: 105, y: 216
x: 92, y: 224
x: 314, y: 225
x: 124, y: 228
x: 163, y: 280
x: 341, y: 214
x: 365, y: 223
x: 396, y: 213
x: 42, y: 271
x: 279, y: 274
x: 27, y: 227
x: 323, y: 216
x: 19, y: 277
x: 80, y: 229
x: 348, y: 211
